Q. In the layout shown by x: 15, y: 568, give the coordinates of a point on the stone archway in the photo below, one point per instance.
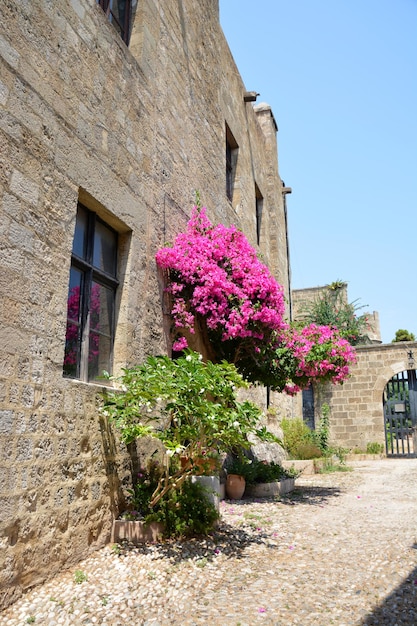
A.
x: 357, y: 415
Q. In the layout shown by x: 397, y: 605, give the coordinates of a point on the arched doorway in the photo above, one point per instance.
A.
x: 400, y: 414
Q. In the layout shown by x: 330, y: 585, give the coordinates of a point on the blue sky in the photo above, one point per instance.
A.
x: 341, y: 78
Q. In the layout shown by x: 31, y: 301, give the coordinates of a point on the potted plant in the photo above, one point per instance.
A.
x: 190, y: 406
x: 269, y: 479
x: 237, y: 469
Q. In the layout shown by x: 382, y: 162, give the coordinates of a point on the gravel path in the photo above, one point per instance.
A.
x: 342, y: 549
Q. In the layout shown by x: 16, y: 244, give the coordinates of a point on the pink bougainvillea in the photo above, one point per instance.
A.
x: 216, y: 276
x: 215, y: 273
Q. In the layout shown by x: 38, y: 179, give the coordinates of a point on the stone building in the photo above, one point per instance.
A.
x: 303, y: 298
x: 378, y: 403
x: 112, y: 115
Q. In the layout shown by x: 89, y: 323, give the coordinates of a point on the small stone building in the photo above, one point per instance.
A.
x: 378, y: 403
x: 112, y: 115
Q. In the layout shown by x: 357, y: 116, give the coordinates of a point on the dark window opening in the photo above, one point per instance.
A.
x: 91, y: 298
x: 308, y: 406
x: 231, y: 161
x: 259, y: 209
x: 119, y: 13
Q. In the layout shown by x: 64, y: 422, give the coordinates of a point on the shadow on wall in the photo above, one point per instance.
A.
x: 400, y: 607
x: 110, y: 453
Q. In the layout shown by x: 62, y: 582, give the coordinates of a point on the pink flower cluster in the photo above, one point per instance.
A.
x: 215, y: 272
x: 321, y: 355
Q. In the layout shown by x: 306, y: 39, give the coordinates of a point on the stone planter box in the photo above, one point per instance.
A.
x: 211, y: 485
x: 136, y: 532
x: 270, y: 490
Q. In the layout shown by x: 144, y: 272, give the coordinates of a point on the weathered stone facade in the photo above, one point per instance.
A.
x: 130, y: 132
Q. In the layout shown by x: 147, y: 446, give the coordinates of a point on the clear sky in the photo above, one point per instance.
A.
x: 341, y: 78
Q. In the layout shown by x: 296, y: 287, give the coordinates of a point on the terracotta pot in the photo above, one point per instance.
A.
x: 235, y: 486
x: 205, y: 465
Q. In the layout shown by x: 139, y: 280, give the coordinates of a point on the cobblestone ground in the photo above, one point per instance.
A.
x: 341, y: 549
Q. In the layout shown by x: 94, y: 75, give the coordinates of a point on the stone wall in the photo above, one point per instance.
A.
x: 356, y: 409
x: 131, y: 133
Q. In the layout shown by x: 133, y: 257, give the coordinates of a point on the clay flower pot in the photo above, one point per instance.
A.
x: 202, y: 465
x: 235, y: 486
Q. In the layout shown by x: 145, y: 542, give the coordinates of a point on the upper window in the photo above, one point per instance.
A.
x: 119, y: 13
x: 258, y: 209
x: 231, y: 162
x: 91, y: 298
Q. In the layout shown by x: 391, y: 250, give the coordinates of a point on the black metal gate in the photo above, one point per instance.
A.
x: 400, y: 415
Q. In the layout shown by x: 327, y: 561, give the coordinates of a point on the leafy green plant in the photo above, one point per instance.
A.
x: 331, y: 308
x: 321, y: 435
x: 240, y: 465
x: 298, y: 439
x: 144, y: 485
x: 403, y: 335
x: 267, y: 472
x: 306, y: 450
x: 329, y: 466
x: 187, y: 404
x: 185, y: 511
x: 374, y: 448
x: 80, y: 576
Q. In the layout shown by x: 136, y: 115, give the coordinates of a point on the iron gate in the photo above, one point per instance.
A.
x: 400, y: 415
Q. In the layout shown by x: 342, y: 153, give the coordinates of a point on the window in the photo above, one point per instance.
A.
x: 258, y: 209
x: 231, y: 161
x: 91, y: 298
x: 119, y: 13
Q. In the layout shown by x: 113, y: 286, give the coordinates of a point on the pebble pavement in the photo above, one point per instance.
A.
x: 341, y: 549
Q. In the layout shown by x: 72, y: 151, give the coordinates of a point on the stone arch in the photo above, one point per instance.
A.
x: 388, y: 372
x: 357, y: 414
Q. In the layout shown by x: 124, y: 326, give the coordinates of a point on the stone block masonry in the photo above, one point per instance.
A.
x: 356, y: 407
x: 130, y: 132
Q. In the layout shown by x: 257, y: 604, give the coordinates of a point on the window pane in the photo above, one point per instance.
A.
x: 105, y: 242
x: 101, y: 321
x: 74, y: 295
x: 80, y: 235
x: 73, y: 336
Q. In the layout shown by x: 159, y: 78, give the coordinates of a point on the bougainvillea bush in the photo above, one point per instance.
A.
x: 217, y: 283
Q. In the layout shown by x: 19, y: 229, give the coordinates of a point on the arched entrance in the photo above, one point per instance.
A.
x: 400, y: 414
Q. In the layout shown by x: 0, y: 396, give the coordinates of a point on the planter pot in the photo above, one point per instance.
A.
x: 270, y: 490
x: 235, y: 486
x: 136, y: 532
x: 204, y: 466
x: 211, y: 485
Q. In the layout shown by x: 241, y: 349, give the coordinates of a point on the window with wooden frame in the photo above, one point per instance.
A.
x: 91, y: 298
x: 231, y: 162
x: 119, y: 13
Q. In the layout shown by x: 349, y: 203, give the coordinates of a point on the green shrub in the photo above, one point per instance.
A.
x: 185, y: 512
x: 320, y: 436
x: 267, y: 472
x: 374, y: 448
x: 296, y: 432
x: 306, y: 450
